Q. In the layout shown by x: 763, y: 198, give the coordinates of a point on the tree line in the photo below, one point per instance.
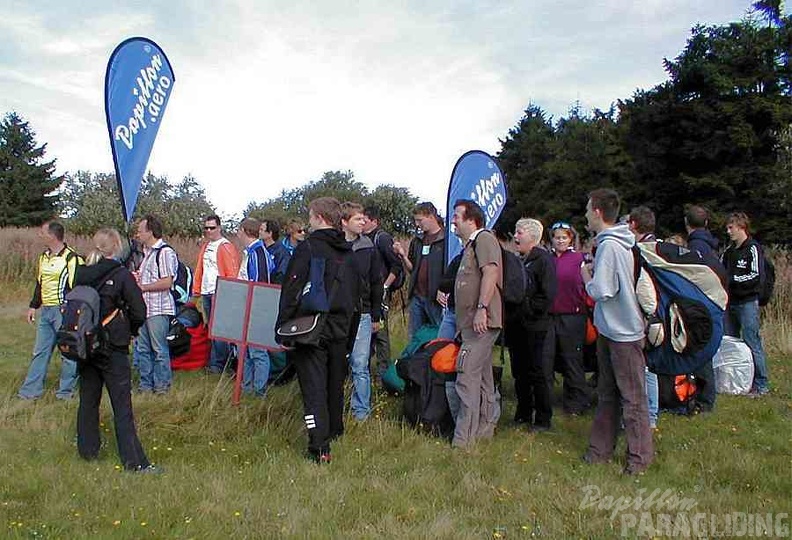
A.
x: 718, y: 132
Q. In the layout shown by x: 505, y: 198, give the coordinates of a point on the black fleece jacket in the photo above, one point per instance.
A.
x: 328, y: 244
x: 743, y: 264
x: 117, y: 289
x: 370, y: 271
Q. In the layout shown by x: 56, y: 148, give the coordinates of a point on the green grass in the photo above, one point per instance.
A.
x: 239, y: 472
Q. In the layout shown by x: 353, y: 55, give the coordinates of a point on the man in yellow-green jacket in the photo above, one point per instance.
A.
x: 54, y: 278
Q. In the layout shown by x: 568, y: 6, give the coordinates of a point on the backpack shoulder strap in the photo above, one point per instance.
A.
x: 638, y: 262
x: 159, y: 251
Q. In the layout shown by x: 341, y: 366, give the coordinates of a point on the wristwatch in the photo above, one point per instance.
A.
x: 481, y: 306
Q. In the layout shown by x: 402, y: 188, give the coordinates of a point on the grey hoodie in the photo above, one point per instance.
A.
x: 617, y: 314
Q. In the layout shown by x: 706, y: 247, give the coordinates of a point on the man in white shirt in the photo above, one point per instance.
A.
x: 217, y: 258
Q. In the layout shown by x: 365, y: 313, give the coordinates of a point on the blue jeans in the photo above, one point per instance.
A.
x: 447, y: 328
x: 153, y: 355
x: 744, y: 322
x: 360, y: 401
x: 652, y: 397
x: 219, y: 355
x: 48, y: 326
x: 256, y: 371
x: 448, y: 331
x: 423, y: 311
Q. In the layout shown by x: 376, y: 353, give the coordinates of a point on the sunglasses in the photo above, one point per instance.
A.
x: 560, y: 225
x: 207, y: 228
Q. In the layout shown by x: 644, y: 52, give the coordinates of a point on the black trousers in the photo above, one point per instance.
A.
x: 533, y: 375
x: 705, y: 379
x: 321, y: 371
x: 112, y: 371
x: 565, y: 339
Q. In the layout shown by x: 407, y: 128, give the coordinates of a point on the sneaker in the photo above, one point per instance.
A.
x: 757, y: 393
x: 633, y: 471
x: 27, y: 398
x: 589, y: 459
x: 521, y: 419
x: 539, y: 428
x: 150, y: 469
x: 320, y: 458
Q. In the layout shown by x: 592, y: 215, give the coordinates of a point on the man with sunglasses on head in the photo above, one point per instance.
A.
x: 217, y: 258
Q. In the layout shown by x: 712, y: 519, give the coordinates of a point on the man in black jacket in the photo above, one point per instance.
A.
x: 526, y: 330
x: 368, y: 311
x: 743, y: 262
x: 425, y: 260
x: 321, y: 369
x: 392, y: 276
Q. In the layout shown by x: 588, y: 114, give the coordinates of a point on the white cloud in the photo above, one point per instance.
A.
x: 268, y: 95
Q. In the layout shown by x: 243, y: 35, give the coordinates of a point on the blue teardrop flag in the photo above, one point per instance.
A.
x: 476, y: 176
x: 138, y: 84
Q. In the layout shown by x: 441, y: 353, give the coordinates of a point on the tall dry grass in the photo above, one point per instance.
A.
x: 19, y: 249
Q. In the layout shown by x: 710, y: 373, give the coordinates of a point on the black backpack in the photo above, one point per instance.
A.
x: 80, y: 334
x: 766, y: 279
x: 178, y: 338
x: 425, y: 401
x: 181, y: 289
x: 515, y: 280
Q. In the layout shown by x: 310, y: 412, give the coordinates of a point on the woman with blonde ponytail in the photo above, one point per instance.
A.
x: 122, y: 312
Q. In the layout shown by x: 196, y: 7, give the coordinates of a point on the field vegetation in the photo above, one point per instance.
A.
x: 238, y: 472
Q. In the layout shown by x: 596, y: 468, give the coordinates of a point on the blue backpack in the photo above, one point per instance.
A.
x: 692, y: 298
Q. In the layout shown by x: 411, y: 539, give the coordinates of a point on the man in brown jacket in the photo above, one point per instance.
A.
x: 479, y: 321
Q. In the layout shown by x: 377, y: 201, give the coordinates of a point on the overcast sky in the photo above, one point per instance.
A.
x: 270, y: 94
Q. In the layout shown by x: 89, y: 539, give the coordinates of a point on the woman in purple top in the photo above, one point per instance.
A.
x: 567, y: 332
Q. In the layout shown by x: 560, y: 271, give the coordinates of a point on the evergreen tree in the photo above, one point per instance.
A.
x: 27, y: 182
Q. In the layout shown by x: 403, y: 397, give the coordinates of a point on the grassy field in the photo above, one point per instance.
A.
x: 239, y: 472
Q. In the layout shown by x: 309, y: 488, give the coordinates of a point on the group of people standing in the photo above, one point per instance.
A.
x: 362, y: 263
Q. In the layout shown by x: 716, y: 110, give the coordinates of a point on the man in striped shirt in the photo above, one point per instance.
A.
x: 55, y: 276
x: 156, y: 275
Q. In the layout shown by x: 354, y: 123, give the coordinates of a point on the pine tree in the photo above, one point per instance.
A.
x: 27, y: 182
